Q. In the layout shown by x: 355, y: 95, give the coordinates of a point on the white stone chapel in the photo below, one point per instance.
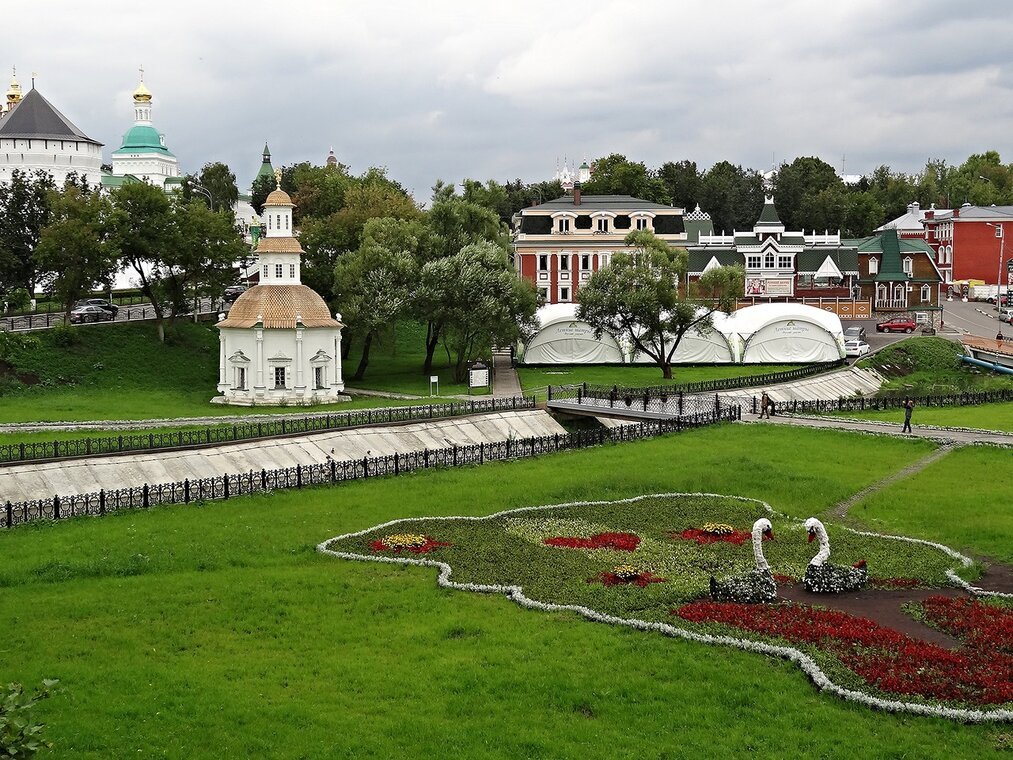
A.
x: 279, y: 343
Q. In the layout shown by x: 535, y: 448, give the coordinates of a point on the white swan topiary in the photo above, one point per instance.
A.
x: 823, y: 577
x: 757, y: 585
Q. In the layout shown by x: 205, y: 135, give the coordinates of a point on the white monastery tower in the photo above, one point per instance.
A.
x: 279, y: 343
x: 143, y: 153
x: 34, y: 135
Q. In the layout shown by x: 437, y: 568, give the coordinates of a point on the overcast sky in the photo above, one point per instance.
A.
x: 473, y: 89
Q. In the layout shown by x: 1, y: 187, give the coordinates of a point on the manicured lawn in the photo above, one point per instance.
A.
x: 218, y: 631
x: 638, y: 376
x: 122, y: 372
x: 962, y: 499
x: 984, y: 416
x: 395, y: 364
x: 928, y: 366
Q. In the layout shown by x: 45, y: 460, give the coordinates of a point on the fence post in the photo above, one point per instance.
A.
x: 680, y: 403
x: 10, y: 514
x: 56, y: 507
x: 101, y: 501
x: 121, y: 442
x: 334, y: 468
x: 144, y: 496
x: 298, y: 476
x: 580, y: 394
x: 717, y: 405
x: 550, y: 393
x: 186, y: 491
x: 397, y: 468
x: 365, y: 467
x: 225, y: 488
x: 263, y: 480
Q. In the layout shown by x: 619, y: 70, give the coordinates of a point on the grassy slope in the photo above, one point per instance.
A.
x: 930, y: 366
x: 962, y: 499
x: 638, y: 376
x: 217, y: 631
x: 985, y: 416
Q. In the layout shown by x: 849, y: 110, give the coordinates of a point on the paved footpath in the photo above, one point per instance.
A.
x: 954, y: 436
x: 506, y: 383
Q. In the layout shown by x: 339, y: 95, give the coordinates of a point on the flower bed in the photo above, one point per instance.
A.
x: 704, y: 536
x: 414, y: 543
x: 508, y: 553
x: 970, y: 620
x: 886, y: 659
x: 895, y: 583
x: 626, y: 575
x: 620, y: 542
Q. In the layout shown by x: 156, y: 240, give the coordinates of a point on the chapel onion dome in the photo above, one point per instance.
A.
x: 278, y: 198
x: 14, y: 91
x: 142, y: 94
x: 279, y: 307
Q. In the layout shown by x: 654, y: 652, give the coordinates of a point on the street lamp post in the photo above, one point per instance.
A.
x: 998, y: 227
x: 205, y: 192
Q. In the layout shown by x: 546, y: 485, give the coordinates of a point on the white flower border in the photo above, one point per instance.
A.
x: 804, y: 661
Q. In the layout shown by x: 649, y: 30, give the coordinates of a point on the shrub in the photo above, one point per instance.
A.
x: 65, y: 335
x: 20, y: 735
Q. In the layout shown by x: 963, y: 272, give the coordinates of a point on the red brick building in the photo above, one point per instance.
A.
x: 560, y: 243
x: 970, y: 242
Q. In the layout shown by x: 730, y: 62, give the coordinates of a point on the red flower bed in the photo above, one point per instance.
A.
x: 884, y: 658
x: 737, y: 537
x: 784, y: 578
x: 895, y: 583
x: 424, y: 548
x: 979, y: 624
x: 612, y: 579
x: 623, y: 542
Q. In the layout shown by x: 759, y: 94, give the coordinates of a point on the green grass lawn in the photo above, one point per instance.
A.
x: 395, y: 364
x: 929, y: 366
x: 984, y: 416
x: 638, y: 376
x: 962, y: 499
x: 218, y: 631
x: 122, y: 372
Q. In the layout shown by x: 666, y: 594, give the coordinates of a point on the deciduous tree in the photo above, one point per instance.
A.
x: 640, y: 297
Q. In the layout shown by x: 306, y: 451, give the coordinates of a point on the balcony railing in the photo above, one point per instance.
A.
x: 891, y: 303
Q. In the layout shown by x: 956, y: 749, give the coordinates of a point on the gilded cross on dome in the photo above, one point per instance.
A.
x: 277, y: 178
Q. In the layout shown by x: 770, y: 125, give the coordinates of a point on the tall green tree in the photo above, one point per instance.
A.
x: 374, y: 285
x: 75, y: 255
x: 24, y: 211
x: 617, y: 175
x: 796, y: 186
x: 214, y: 185
x: 639, y: 297
x: 682, y: 182
x: 732, y: 195
x: 478, y: 300
x: 176, y: 250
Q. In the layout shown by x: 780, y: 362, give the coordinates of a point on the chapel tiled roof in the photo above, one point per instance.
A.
x: 278, y: 245
x: 279, y: 306
x: 278, y: 198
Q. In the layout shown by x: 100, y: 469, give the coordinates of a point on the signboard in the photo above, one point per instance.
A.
x: 478, y: 376
x: 1009, y: 266
x: 769, y: 286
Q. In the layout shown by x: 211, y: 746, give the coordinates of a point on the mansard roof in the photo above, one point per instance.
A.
x: 592, y: 203
x: 35, y: 118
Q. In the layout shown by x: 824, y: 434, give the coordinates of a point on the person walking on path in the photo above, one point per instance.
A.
x: 909, y: 406
x: 764, y: 405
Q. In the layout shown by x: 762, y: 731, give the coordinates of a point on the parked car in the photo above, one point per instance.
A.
x: 856, y: 348
x: 854, y: 333
x: 90, y: 314
x: 234, y: 291
x: 897, y: 324
x: 1006, y: 315
x: 101, y: 303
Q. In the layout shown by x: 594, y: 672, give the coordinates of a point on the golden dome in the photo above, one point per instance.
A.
x: 142, y: 94
x: 278, y: 306
x: 278, y: 198
x: 14, y: 91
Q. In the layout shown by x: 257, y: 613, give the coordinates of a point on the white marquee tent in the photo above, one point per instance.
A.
x: 563, y: 339
x: 708, y: 345
x: 785, y: 333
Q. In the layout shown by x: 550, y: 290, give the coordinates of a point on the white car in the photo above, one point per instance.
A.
x: 856, y: 348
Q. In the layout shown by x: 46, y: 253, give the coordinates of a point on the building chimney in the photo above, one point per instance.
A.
x: 576, y: 193
x: 930, y: 214
x: 956, y: 213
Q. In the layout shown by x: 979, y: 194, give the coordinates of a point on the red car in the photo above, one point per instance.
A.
x: 897, y: 324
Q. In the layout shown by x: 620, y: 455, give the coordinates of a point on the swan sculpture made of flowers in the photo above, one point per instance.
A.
x: 757, y: 585
x: 822, y: 577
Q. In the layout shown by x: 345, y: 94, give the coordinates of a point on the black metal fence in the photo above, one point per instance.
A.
x: 227, y: 486
x: 861, y: 404
x: 672, y: 405
x: 209, y: 436
x: 142, y: 311
x: 620, y: 393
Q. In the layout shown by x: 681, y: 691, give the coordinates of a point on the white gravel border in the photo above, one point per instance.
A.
x: 804, y: 661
